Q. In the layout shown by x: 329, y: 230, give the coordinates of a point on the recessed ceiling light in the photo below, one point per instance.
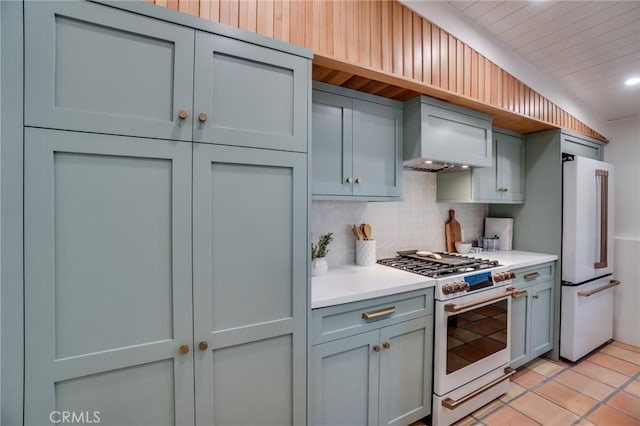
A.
x: 464, y: 166
x: 632, y: 81
x: 428, y: 162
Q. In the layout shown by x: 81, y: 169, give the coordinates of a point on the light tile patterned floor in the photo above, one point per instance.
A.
x: 603, y: 389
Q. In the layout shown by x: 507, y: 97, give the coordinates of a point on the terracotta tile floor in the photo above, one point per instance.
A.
x: 602, y: 389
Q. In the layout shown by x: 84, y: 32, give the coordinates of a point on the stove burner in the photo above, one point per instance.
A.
x: 450, y: 264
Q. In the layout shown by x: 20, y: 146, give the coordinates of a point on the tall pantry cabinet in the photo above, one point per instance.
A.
x: 165, y: 229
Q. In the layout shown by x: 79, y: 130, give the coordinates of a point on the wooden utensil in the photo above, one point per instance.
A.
x: 357, y: 232
x: 452, y: 232
x: 366, y: 230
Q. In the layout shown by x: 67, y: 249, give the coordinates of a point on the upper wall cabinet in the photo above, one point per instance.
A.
x: 356, y: 145
x: 444, y: 133
x: 99, y: 69
x: 503, y: 182
x: 582, y: 146
x: 249, y: 95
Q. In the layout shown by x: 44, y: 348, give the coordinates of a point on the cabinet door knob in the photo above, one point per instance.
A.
x: 506, y: 189
x: 535, y: 296
x: 184, y: 349
x: 358, y: 180
x: 202, y: 117
x: 376, y: 348
x: 182, y: 114
x: 349, y: 180
x: 386, y: 345
x: 203, y: 346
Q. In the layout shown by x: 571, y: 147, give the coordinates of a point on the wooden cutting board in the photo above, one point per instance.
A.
x: 452, y: 232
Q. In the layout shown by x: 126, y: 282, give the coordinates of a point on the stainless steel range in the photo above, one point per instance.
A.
x: 472, y: 323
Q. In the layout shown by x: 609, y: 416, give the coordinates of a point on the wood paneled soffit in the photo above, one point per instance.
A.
x: 384, y: 48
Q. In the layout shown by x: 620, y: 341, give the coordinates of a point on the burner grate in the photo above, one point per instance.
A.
x: 450, y: 264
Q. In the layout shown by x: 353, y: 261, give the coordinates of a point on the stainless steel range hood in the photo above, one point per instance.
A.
x: 439, y: 136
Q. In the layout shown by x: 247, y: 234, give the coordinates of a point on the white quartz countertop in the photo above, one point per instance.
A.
x: 351, y: 283
x: 516, y: 259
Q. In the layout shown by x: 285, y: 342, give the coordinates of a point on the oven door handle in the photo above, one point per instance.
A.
x: 450, y: 307
x: 452, y: 405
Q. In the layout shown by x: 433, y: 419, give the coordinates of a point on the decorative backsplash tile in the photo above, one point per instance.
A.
x: 417, y: 222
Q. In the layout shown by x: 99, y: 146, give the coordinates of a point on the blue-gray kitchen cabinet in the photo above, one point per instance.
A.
x: 249, y: 95
x: 503, y: 182
x: 356, y: 145
x: 532, y: 313
x: 98, y: 69
x: 162, y: 275
x: 372, y: 372
x: 249, y: 285
x: 107, y: 278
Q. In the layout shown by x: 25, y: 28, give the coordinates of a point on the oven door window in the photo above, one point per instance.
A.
x: 476, y: 334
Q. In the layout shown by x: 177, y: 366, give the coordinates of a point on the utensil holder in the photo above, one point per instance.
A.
x: 365, y: 252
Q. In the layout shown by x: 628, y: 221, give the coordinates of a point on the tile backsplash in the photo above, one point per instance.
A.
x: 417, y: 222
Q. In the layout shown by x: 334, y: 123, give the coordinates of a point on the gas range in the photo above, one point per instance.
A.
x: 456, y: 275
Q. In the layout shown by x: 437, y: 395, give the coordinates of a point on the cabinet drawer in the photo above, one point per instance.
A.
x: 533, y: 274
x: 340, y: 321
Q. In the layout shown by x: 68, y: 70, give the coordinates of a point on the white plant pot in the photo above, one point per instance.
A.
x: 319, y: 266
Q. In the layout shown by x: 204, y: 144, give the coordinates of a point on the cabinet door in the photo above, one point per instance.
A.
x: 344, y: 382
x: 107, y: 278
x: 94, y: 68
x: 519, y: 326
x: 510, y: 167
x: 252, y: 96
x: 405, y: 371
x: 331, y: 144
x: 485, y: 179
x: 541, y: 318
x: 377, y: 149
x: 250, y: 252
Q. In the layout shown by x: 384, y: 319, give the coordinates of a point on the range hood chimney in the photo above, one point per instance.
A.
x: 439, y: 136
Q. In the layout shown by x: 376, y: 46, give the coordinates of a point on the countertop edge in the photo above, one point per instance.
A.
x: 373, y: 294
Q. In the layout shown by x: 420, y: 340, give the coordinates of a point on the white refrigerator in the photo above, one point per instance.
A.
x: 586, y: 316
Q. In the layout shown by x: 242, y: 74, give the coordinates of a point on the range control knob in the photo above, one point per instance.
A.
x: 512, y: 275
x: 447, y: 289
x: 460, y: 285
x: 499, y: 277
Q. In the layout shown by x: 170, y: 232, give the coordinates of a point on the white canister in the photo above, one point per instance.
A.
x: 365, y: 252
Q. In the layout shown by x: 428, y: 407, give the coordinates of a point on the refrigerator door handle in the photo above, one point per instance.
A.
x: 612, y: 283
x: 604, y: 213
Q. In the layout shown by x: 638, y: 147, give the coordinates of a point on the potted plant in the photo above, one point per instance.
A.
x: 319, y: 253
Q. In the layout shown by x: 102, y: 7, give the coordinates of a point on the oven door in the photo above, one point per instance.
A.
x: 472, y: 337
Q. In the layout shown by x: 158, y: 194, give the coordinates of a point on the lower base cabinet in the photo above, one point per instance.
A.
x: 381, y: 376
x: 532, y: 313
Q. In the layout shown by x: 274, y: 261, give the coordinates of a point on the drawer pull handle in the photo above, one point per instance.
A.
x: 379, y: 313
x: 531, y: 275
x: 453, y: 404
x: 519, y: 294
x: 612, y: 283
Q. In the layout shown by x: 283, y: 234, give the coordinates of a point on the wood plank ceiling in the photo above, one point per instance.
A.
x: 382, y: 47
x: 589, y: 47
